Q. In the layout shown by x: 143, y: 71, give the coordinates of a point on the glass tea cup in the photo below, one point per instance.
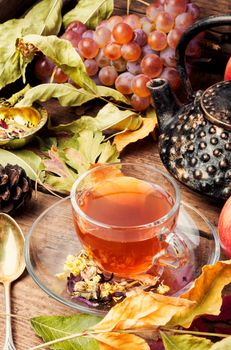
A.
x: 125, y: 214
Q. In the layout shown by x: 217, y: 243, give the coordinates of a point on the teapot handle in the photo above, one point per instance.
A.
x: 196, y: 28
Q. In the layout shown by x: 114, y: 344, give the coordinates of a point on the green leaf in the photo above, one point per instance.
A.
x: 111, y: 116
x: 63, y: 54
x: 44, y: 18
x: 75, y: 155
x: 186, y: 341
x: 67, y: 94
x: 28, y: 160
x: 224, y: 344
x: 90, y: 12
x: 9, y: 58
x: 54, y: 327
x: 109, y: 92
x: 90, y: 149
x: 76, y: 126
x: 91, y: 146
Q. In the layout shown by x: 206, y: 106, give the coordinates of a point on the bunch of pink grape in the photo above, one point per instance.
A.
x: 125, y: 52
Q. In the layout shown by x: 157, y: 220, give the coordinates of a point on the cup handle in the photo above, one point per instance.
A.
x: 175, y: 255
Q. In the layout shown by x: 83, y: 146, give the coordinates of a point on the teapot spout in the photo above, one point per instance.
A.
x: 164, y: 101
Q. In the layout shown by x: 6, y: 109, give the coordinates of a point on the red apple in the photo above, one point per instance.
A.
x: 227, y: 75
x: 224, y: 225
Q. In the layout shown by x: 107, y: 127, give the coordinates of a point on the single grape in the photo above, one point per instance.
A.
x: 194, y: 10
x: 88, y: 34
x: 88, y: 48
x: 59, y: 76
x: 95, y: 78
x: 140, y: 37
x: 101, y: 59
x: 173, y: 37
x: 147, y: 25
x: 43, y: 69
x: 175, y: 7
x: 133, y: 21
x: 184, y: 20
x: 131, y: 51
x: 139, y: 85
x: 157, y: 40
x: 108, y: 75
x: 102, y: 36
x: 164, y: 22
x: 113, y: 20
x: 140, y: 103
x: 77, y: 27
x: 122, y: 33
x: 168, y: 57
x: 73, y: 37
x: 173, y: 77
x: 112, y: 51
x: 91, y: 67
x: 123, y: 83
x: 120, y: 64
x: 153, y: 10
x: 193, y: 49
x: 146, y: 50
x: 134, y: 67
x: 151, y: 65
x: 103, y: 24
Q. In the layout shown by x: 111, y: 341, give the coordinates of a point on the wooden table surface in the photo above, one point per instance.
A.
x: 28, y: 299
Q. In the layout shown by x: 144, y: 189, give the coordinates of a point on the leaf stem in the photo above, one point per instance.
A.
x: 183, y: 331
x: 68, y: 337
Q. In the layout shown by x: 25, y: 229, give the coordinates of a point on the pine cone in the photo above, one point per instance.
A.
x: 15, y: 188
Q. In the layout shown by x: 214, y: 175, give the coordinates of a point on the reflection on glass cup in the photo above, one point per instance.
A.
x: 124, y: 215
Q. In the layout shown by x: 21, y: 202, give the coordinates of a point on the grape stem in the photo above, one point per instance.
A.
x: 143, y: 2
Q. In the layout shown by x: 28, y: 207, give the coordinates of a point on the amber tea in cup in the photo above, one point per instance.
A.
x: 123, y: 214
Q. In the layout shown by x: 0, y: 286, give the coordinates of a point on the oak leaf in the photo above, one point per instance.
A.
x: 124, y: 139
x: 206, y: 293
x: 120, y: 341
x: 142, y: 310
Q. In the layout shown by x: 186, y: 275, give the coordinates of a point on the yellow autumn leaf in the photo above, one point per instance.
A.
x: 124, y: 139
x: 142, y: 310
x: 120, y: 341
x: 206, y: 293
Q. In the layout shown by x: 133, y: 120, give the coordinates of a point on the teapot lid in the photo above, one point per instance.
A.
x: 216, y: 104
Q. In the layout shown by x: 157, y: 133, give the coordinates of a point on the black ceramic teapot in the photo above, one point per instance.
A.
x: 195, y: 139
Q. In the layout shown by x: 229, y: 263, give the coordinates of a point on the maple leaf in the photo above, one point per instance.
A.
x: 60, y: 177
x: 124, y: 139
x: 73, y: 156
